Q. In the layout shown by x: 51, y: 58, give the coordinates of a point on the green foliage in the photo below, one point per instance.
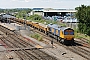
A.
x: 83, y: 15
x: 48, y: 22
x: 1, y: 10
x: 40, y: 38
x: 21, y: 12
x: 35, y: 17
x: 37, y: 36
x: 75, y: 33
x: 38, y: 18
x: 88, y: 41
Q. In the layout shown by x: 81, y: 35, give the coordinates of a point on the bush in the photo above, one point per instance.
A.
x: 40, y: 38
x: 35, y: 17
x: 36, y: 36
x: 88, y: 41
x: 83, y: 16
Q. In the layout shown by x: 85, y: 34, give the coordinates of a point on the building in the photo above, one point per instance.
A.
x: 52, y: 12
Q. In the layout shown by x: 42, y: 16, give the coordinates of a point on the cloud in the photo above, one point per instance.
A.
x: 13, y: 0
x: 47, y: 0
x: 22, y: 0
x: 27, y: 0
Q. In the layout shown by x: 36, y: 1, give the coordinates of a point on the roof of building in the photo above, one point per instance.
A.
x: 37, y: 9
x: 53, y: 10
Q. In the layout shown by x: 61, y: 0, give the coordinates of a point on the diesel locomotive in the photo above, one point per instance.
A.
x: 62, y: 34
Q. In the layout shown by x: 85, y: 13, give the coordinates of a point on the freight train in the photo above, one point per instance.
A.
x: 62, y: 34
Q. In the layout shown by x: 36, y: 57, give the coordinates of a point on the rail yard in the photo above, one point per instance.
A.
x: 23, y: 49
x: 17, y: 45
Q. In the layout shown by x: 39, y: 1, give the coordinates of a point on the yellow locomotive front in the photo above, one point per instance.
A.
x: 69, y: 34
x: 66, y: 35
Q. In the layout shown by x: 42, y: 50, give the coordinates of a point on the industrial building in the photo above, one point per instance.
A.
x: 52, y: 12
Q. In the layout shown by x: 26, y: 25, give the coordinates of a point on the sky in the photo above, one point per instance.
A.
x: 56, y: 4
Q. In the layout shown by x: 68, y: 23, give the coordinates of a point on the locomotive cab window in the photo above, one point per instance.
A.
x: 69, y: 32
x: 65, y: 33
x: 72, y: 33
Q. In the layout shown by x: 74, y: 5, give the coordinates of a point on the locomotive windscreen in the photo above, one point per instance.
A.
x: 69, y: 32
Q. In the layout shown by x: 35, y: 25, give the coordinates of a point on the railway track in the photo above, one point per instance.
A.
x: 80, y: 51
x: 76, y: 48
x: 26, y: 55
x: 14, y: 41
x: 83, y: 42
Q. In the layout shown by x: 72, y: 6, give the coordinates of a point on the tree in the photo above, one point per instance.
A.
x: 35, y: 17
x: 83, y: 15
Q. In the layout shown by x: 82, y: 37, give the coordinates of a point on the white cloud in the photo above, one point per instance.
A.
x: 27, y: 0
x: 22, y: 0
x: 13, y: 0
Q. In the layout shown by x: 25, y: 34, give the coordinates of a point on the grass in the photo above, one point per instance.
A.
x: 83, y: 36
x: 80, y: 35
x: 37, y: 36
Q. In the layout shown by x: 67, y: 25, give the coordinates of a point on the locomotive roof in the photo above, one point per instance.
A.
x: 64, y: 28
x: 55, y: 26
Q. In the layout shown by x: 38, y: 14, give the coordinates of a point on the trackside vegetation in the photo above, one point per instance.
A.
x: 83, y: 15
x: 38, y: 18
x: 35, y: 17
x: 37, y: 36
